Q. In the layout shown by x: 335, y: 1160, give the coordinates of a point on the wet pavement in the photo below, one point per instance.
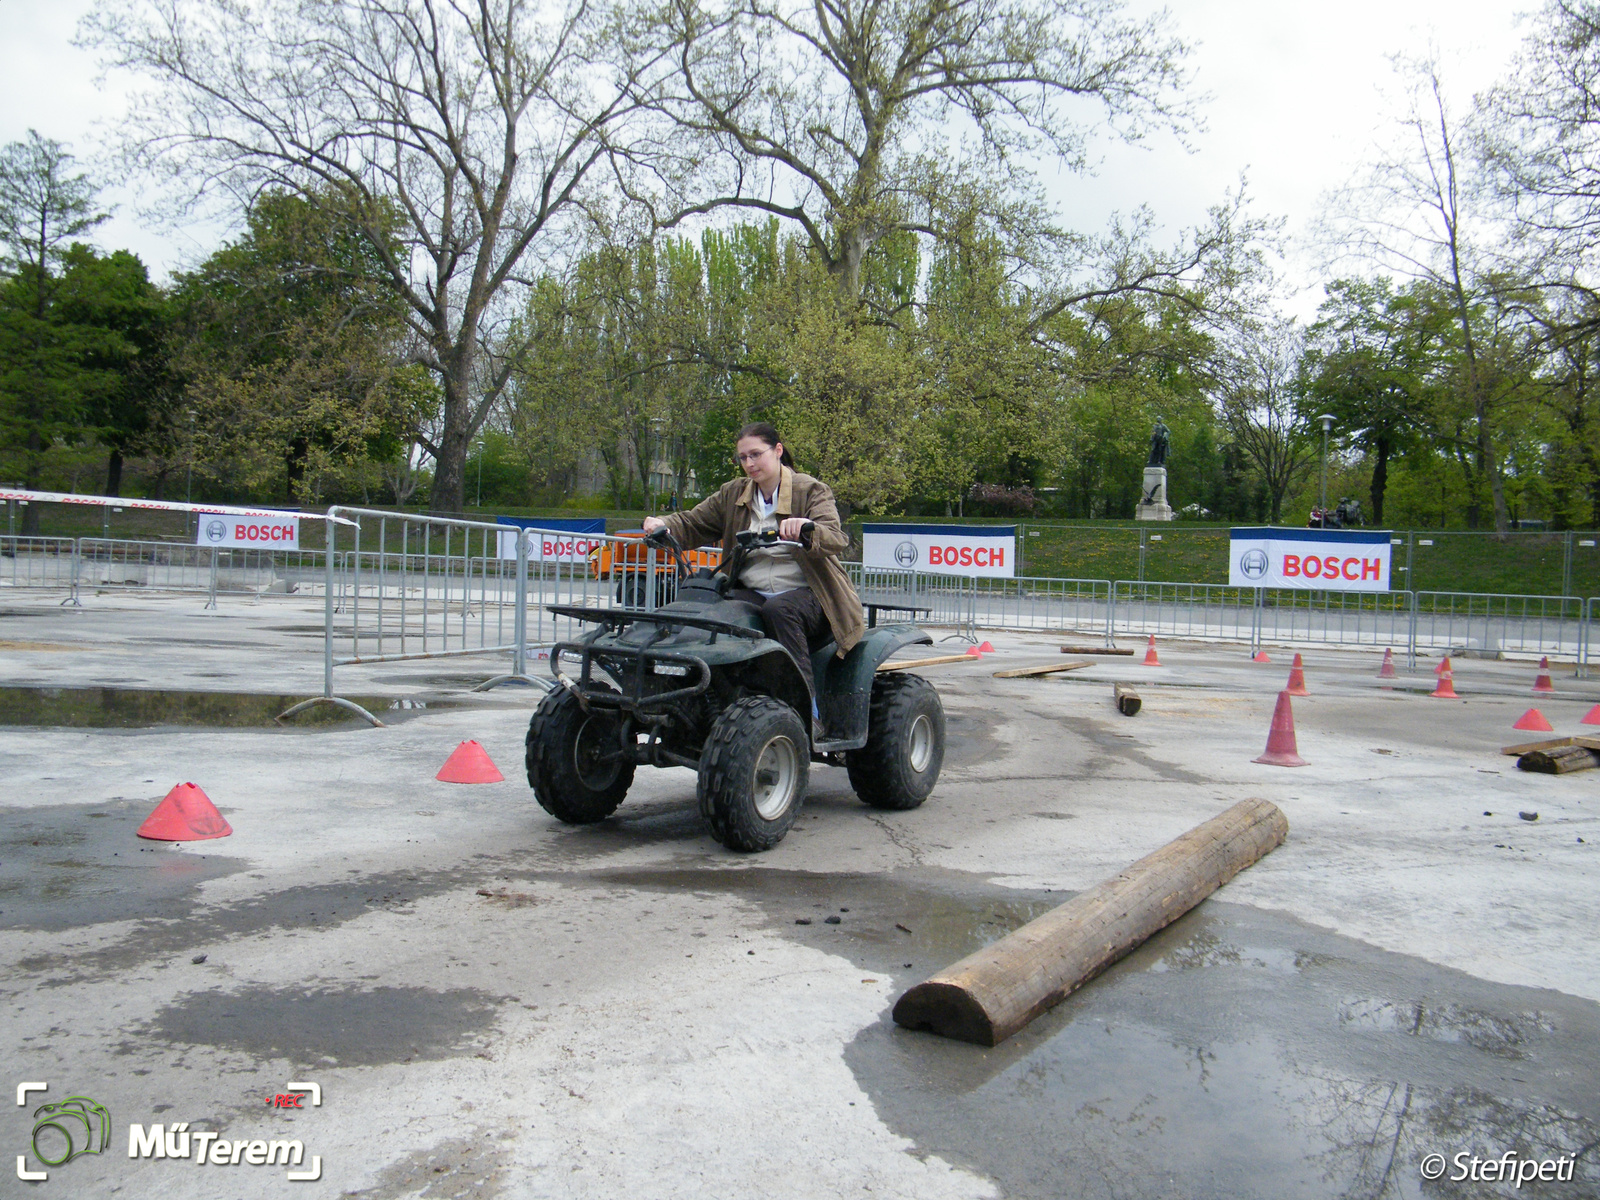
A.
x: 496, y: 1005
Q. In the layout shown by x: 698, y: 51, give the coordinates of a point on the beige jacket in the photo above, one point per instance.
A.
x: 726, y: 511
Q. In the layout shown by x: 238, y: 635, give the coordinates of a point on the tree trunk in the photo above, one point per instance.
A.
x: 993, y: 992
x: 1380, y: 478
x: 294, y: 469
x: 448, y: 498
x: 114, y: 473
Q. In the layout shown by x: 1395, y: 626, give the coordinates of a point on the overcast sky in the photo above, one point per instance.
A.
x: 1296, y: 99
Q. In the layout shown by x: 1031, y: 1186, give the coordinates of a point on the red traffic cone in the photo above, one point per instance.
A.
x: 986, y: 648
x: 1260, y: 656
x: 1297, y: 677
x: 1281, y: 750
x: 186, y: 814
x: 1533, y: 719
x: 1444, y: 665
x: 1592, y: 717
x: 974, y: 652
x: 1150, y: 659
x: 1542, y: 682
x: 469, y: 764
x: 1387, y: 670
x: 1447, y: 688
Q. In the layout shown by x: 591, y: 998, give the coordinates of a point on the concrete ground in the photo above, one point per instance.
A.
x: 496, y: 1005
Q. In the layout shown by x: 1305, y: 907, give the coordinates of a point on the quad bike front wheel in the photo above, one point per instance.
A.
x: 753, y: 773
x: 574, y: 759
x: 900, y: 763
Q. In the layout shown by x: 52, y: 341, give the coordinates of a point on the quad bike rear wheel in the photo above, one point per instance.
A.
x: 900, y: 763
x: 753, y: 773
x: 574, y: 759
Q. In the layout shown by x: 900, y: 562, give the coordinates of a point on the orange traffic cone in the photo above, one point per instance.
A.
x: 186, y: 814
x: 986, y: 648
x: 1444, y: 665
x: 1297, y: 677
x: 1281, y: 750
x: 974, y: 652
x: 1447, y: 688
x: 470, y: 763
x: 1542, y: 682
x: 1150, y: 659
x: 1387, y: 670
x: 1533, y: 719
x: 1592, y: 717
x: 1260, y: 656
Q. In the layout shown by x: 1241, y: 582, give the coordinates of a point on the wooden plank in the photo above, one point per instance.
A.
x: 989, y: 995
x: 1588, y: 743
x: 1125, y: 698
x: 1558, y: 760
x: 1048, y: 669
x: 1092, y: 650
x: 905, y: 663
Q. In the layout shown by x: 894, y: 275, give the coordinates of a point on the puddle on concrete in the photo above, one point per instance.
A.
x: 342, y: 1027
x: 970, y: 738
x: 136, y: 708
x: 62, y: 866
x: 1238, y: 1054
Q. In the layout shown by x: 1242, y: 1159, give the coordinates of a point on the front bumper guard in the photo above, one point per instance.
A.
x: 641, y: 658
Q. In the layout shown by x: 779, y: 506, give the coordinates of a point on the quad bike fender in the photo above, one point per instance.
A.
x: 845, y: 683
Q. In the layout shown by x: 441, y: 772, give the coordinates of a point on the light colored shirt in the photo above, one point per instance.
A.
x: 775, y: 570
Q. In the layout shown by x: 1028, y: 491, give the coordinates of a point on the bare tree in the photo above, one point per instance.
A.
x: 1258, y: 397
x: 1542, y: 142
x: 855, y: 119
x: 1421, y: 213
x: 479, y: 124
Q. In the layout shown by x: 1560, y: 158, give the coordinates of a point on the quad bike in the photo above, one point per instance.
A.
x: 698, y: 683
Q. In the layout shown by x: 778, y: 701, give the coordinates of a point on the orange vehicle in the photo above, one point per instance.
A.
x: 626, y: 564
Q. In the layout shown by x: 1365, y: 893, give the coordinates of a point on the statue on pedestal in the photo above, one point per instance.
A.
x: 1153, y: 504
x: 1160, y: 439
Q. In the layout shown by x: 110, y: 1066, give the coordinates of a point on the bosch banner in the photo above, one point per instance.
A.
x: 989, y: 550
x: 1324, y: 560
x: 553, y: 539
x: 277, y: 532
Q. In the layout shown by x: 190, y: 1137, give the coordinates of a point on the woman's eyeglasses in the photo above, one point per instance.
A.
x: 751, y: 457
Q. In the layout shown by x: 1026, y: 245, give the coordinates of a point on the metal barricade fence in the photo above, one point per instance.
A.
x: 1218, y: 612
x: 1202, y: 611
x: 1491, y: 623
x: 417, y: 587
x: 122, y: 564
x: 420, y: 587
x: 37, y: 562
x: 1588, y: 634
x: 1333, y: 618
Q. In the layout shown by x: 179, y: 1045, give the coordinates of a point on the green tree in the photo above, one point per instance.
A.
x: 1372, y: 359
x: 44, y: 206
x: 291, y: 341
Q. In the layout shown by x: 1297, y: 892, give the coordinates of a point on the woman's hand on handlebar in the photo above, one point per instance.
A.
x: 651, y: 524
x: 790, y: 528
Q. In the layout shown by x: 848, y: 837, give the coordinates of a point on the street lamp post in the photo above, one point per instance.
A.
x: 1327, y: 424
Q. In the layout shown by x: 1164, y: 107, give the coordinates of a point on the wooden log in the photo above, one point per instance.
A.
x: 906, y: 663
x: 1558, y: 760
x: 1125, y: 698
x: 1092, y: 650
x: 989, y: 995
x: 1049, y: 669
x: 1588, y: 743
